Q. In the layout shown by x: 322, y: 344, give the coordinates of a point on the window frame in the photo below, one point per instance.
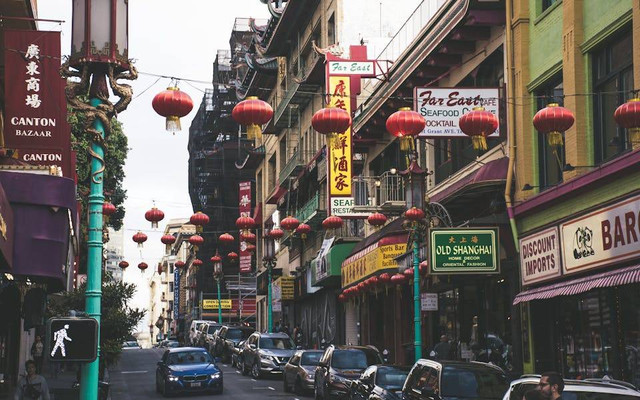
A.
x: 552, y: 90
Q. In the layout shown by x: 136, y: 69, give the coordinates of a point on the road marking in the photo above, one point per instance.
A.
x: 237, y: 372
x: 133, y: 372
x: 225, y: 365
x: 271, y: 388
x: 254, y: 380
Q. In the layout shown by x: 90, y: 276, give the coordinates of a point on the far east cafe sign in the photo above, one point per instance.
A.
x: 343, y: 84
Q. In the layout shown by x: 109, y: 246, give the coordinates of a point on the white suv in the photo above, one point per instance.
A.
x: 588, y: 389
x: 194, y: 329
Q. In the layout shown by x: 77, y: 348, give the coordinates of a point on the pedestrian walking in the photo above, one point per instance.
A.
x: 551, y: 385
x: 442, y: 349
x: 32, y: 386
x: 37, y: 352
x: 297, y: 335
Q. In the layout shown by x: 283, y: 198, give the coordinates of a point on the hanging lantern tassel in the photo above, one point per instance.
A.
x: 480, y: 143
x: 406, y: 143
x: 172, y: 124
x: 254, y: 132
x: 554, y: 138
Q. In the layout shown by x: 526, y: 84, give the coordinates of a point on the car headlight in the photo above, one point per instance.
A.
x: 266, y: 357
x: 172, y: 378
x: 217, y: 375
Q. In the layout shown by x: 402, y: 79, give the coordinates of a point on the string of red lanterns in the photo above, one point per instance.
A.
x: 406, y: 125
x: 154, y: 216
x: 552, y: 121
x: 252, y: 113
x: 331, y: 122
x: 478, y: 123
x: 172, y: 104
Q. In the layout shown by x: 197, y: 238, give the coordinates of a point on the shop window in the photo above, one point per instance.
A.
x: 629, y: 315
x: 550, y: 158
x: 612, y: 85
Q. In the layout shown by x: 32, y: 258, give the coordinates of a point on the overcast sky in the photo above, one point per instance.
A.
x: 180, y: 39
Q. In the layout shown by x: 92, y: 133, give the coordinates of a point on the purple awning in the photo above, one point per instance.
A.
x: 623, y: 276
x: 41, y: 205
x: 492, y: 172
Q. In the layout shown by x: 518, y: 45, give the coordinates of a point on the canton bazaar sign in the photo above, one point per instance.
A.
x: 464, y: 251
x: 376, y: 257
x: 603, y: 237
x: 443, y: 107
x: 540, y: 256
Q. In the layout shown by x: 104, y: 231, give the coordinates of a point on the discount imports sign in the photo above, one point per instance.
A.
x: 443, y: 107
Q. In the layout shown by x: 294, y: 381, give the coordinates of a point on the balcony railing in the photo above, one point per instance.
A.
x: 379, y: 193
x: 293, y: 166
x: 307, y: 211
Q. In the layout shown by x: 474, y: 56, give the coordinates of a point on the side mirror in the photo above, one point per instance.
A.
x: 252, y: 346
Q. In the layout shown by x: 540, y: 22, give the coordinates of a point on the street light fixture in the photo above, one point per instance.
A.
x: 269, y: 261
x: 218, y: 275
x: 99, y: 49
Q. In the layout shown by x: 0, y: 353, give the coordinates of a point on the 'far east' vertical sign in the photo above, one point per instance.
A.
x: 464, y: 251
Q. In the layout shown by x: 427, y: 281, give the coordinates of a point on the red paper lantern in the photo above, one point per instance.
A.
x: 478, y: 124
x: 245, y: 223
x: 342, y: 298
x: 361, y: 287
x: 377, y: 219
x: 332, y: 222
x: 142, y: 266
x: 197, y: 262
x: 199, y: 219
x: 248, y: 237
x: 398, y: 279
x: 196, y: 240
x: 373, y: 281
x: 290, y: 223
x: 331, y: 122
x: 216, y: 259
x: 168, y: 239
x: 628, y: 117
x: 405, y: 124
x: 140, y: 238
x: 232, y: 256
x: 353, y: 290
x: 276, y: 233
x: 303, y: 230
x: 408, y: 273
x: 552, y: 121
x: 160, y: 269
x: 154, y: 216
x: 179, y: 264
x: 172, y: 104
x: 252, y: 113
x: 384, y: 278
x: 251, y: 248
x: 225, y: 239
x: 414, y: 214
x: 424, y: 267
x: 108, y: 209
x: 123, y: 264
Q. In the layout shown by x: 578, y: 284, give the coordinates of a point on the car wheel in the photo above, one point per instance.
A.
x: 255, y: 371
x: 285, y: 385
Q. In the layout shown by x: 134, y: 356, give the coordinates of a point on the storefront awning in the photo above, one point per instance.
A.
x: 618, y: 277
x: 492, y: 172
x: 276, y: 195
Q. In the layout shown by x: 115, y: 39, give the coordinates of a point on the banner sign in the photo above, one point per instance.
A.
x: 443, y: 107
x: 212, y: 304
x: 321, y: 270
x: 287, y: 290
x: 35, y: 105
x: 540, y: 256
x: 244, y: 205
x: 376, y: 257
x: 603, y: 237
x: 464, y: 251
x: 340, y: 161
x: 343, y: 207
x: 72, y: 339
x: 352, y: 68
x: 176, y: 293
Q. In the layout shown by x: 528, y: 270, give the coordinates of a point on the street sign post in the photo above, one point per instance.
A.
x: 72, y: 339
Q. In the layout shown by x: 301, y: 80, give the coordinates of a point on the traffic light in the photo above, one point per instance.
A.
x: 72, y: 339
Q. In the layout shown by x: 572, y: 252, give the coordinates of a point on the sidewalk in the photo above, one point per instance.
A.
x: 61, y: 382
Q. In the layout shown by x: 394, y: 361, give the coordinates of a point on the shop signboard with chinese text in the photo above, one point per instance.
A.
x: 212, y: 304
x: 443, y: 107
x: 176, y: 293
x: 540, y: 256
x: 372, y: 259
x: 603, y: 237
x: 464, y: 251
x: 35, y: 105
x: 244, y: 207
x: 340, y: 162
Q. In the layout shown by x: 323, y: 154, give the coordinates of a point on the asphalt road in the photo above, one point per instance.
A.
x: 134, y: 378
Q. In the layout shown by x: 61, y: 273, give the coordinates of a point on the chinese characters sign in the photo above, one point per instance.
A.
x: 244, y: 205
x: 339, y: 162
x: 35, y: 110
x: 468, y: 251
x: 176, y: 293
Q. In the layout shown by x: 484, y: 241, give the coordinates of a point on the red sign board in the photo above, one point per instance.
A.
x: 244, y: 205
x: 35, y: 110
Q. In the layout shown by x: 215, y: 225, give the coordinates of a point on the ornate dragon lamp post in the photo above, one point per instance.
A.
x: 99, y: 50
x: 269, y: 261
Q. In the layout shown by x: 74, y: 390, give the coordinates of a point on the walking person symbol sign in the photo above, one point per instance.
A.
x: 72, y: 339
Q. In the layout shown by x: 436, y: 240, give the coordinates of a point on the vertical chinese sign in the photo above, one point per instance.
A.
x: 176, y: 293
x: 244, y: 205
x: 340, y: 159
x: 36, y: 109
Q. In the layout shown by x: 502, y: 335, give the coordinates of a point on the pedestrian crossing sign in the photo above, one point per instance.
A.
x: 72, y: 339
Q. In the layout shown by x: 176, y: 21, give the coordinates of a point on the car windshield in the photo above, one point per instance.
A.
x: 212, y: 329
x: 354, y: 359
x: 391, y: 378
x: 567, y: 394
x: 238, y: 334
x: 189, y: 357
x: 173, y: 344
x: 198, y: 325
x: 310, y: 358
x: 473, y: 383
x: 276, y: 343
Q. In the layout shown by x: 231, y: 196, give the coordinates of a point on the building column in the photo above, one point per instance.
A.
x: 636, y: 44
x: 573, y: 74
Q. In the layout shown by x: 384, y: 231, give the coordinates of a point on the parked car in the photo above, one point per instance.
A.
x: 206, y: 335
x: 298, y: 372
x: 187, y: 369
x: 451, y: 380
x: 601, y: 389
x: 194, y: 329
x: 228, y: 339
x: 380, y: 382
x: 131, y: 344
x: 236, y: 356
x: 168, y: 344
x: 340, y: 365
x: 266, y: 353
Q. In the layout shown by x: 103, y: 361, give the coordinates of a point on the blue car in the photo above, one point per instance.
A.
x: 187, y: 369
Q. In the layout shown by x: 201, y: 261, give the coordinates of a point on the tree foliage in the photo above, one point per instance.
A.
x: 118, y: 319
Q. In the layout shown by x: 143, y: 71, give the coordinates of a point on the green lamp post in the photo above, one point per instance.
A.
x: 99, y: 57
x: 269, y: 261
x: 218, y: 275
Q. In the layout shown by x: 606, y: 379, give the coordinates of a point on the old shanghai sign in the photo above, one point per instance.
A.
x: 443, y: 107
x: 464, y: 251
x: 540, y: 256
